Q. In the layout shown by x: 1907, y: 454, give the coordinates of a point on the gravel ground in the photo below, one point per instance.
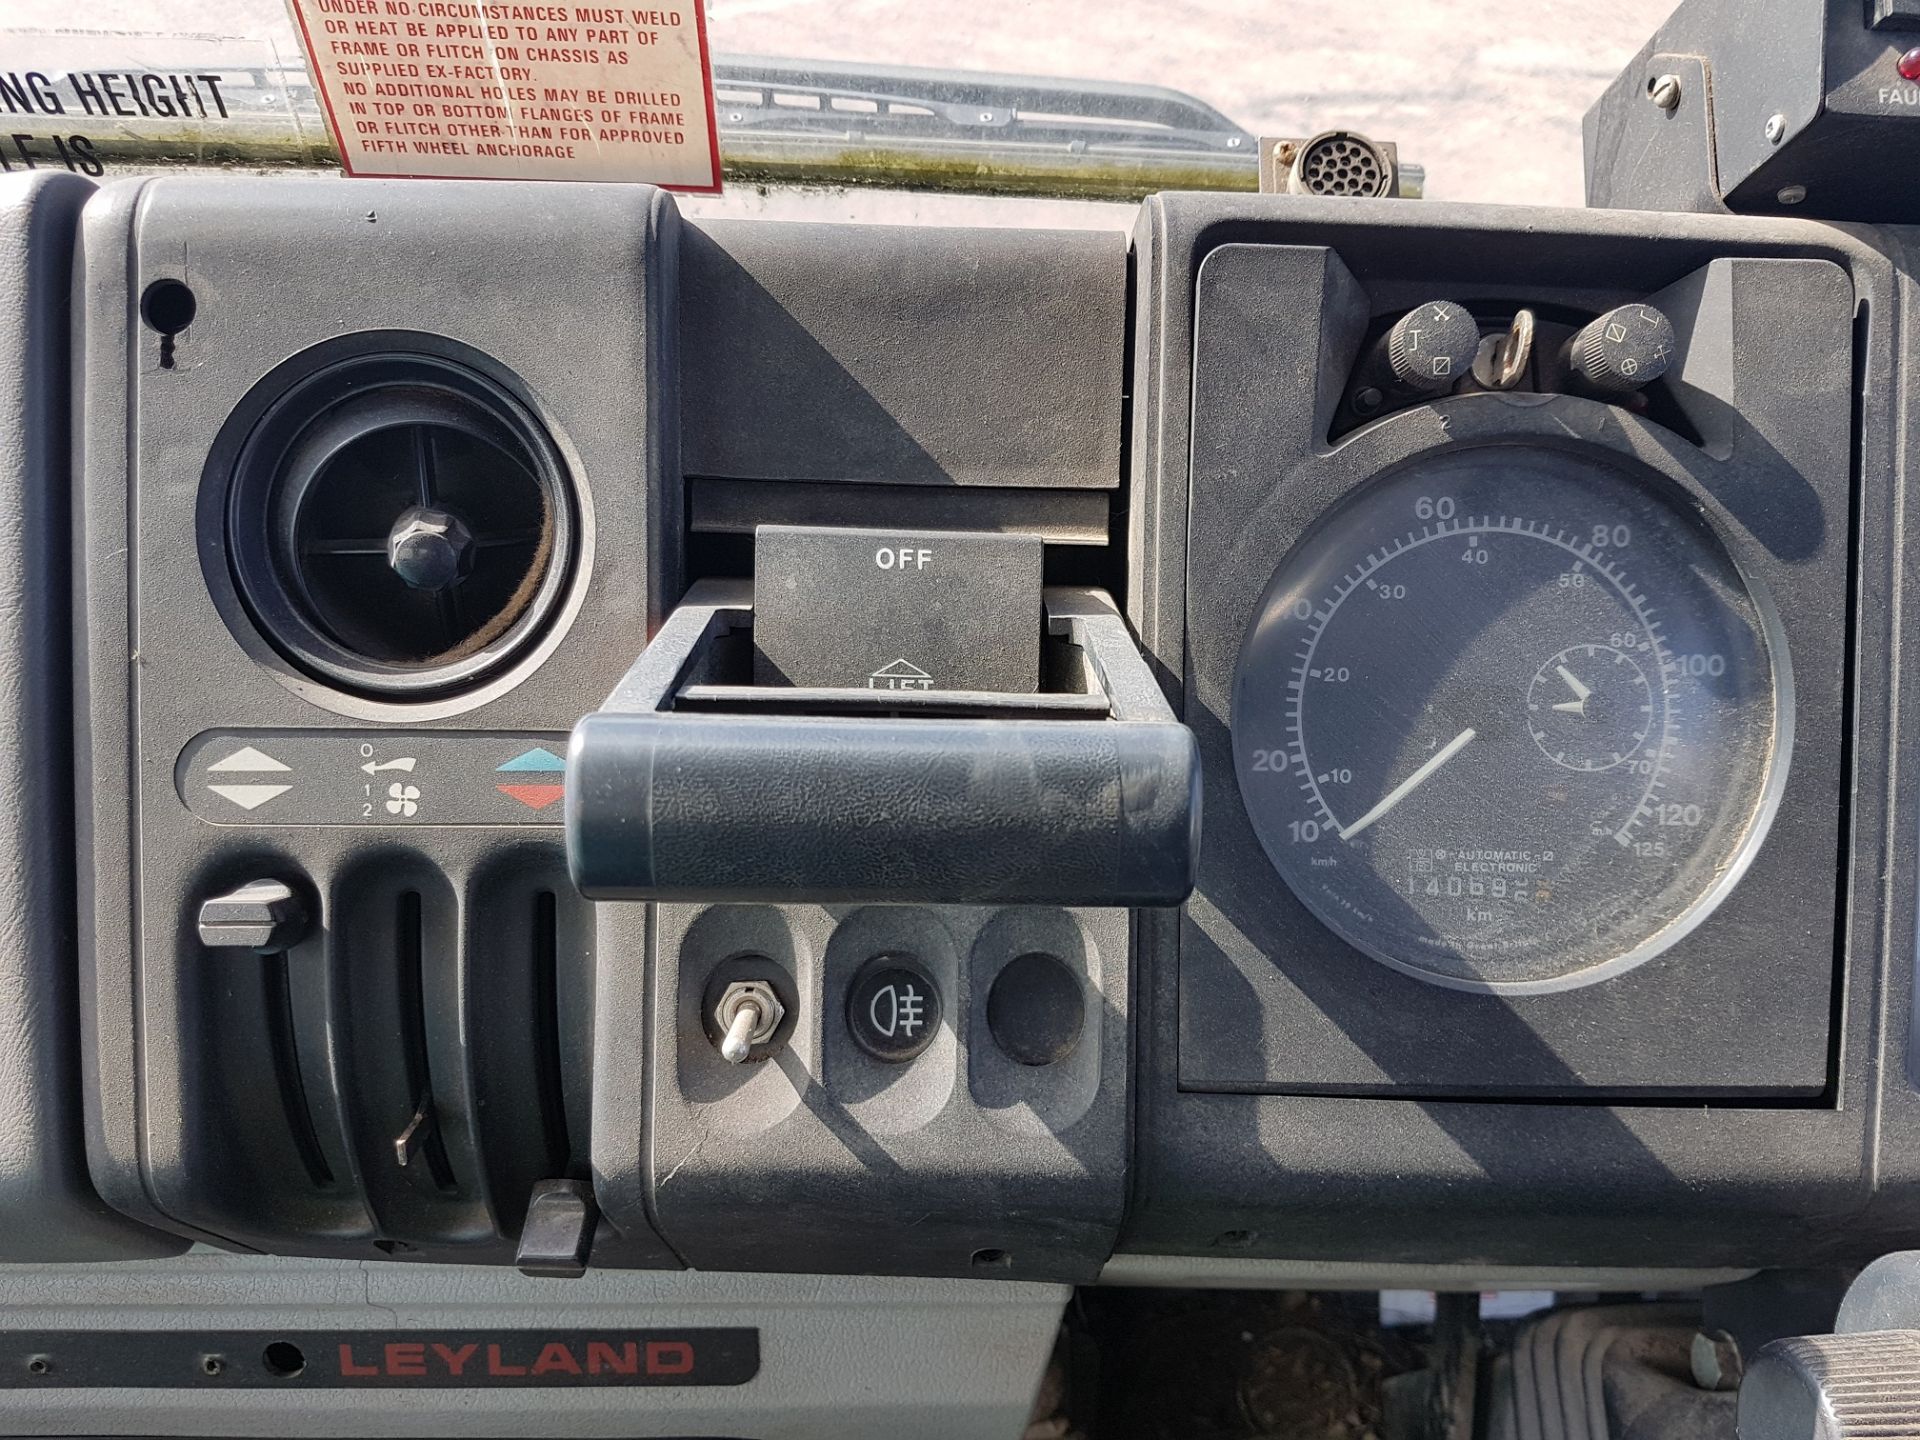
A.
x: 1487, y: 94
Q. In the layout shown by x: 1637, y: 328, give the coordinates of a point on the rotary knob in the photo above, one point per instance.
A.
x: 430, y: 548
x: 1429, y: 348
x: 1622, y: 351
x: 1833, y: 1387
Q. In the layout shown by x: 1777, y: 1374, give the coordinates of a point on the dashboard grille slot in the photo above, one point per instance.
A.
x: 419, y: 1141
x: 529, y: 1014
x: 284, y: 1045
x: 546, y: 1020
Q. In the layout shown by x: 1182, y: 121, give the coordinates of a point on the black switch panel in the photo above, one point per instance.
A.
x: 896, y: 610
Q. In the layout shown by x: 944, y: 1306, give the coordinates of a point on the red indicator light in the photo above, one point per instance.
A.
x: 1909, y: 64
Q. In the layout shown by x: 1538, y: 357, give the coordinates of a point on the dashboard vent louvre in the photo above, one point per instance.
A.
x: 399, y: 525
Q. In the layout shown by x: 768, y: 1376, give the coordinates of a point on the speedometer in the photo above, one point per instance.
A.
x: 1510, y: 719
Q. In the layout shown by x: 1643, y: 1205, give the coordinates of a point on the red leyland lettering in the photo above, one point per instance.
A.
x: 530, y: 1357
x: 425, y: 1359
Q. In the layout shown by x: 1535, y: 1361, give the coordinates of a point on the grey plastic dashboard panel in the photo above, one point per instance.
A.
x: 459, y: 1023
x: 1270, y: 999
x: 840, y: 1359
x: 965, y: 357
x: 563, y: 288
x: 571, y: 291
x: 1432, y: 1179
x: 960, y: 1162
x: 48, y: 1210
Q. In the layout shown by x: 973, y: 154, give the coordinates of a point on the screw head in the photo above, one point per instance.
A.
x: 1791, y: 194
x: 1665, y: 92
x: 1776, y: 129
x: 1715, y: 1361
x: 429, y: 548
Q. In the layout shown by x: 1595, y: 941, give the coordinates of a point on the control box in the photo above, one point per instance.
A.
x: 1792, y: 107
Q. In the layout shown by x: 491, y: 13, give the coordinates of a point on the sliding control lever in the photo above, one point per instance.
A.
x: 265, y: 916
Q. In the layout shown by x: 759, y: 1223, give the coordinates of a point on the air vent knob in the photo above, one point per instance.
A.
x: 264, y: 916
x: 430, y: 548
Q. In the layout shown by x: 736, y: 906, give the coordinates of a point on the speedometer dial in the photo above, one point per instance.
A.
x: 1509, y: 720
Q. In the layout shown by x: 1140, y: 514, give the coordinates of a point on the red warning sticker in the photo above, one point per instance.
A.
x: 517, y: 89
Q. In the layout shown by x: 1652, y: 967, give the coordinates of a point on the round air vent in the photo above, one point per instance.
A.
x: 399, y: 524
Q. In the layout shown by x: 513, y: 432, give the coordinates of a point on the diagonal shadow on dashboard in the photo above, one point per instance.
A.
x: 1482, y: 1132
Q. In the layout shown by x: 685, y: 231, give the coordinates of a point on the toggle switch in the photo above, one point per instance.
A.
x: 747, y: 1014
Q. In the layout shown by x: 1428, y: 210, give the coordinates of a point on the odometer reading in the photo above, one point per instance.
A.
x: 1506, y: 720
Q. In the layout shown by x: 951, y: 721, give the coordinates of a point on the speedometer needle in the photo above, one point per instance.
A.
x: 1412, y: 783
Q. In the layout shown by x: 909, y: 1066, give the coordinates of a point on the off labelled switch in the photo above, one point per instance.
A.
x: 893, y: 1009
x: 1622, y: 351
x: 896, y: 610
x: 264, y: 916
x: 1036, y: 1010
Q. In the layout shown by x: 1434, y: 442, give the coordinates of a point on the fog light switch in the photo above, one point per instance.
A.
x: 893, y: 1009
x: 896, y: 610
